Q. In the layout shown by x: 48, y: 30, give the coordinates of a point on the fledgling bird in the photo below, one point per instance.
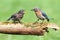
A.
x: 17, y: 17
x: 40, y: 14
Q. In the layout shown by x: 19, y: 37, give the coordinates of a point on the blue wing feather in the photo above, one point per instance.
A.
x: 44, y: 14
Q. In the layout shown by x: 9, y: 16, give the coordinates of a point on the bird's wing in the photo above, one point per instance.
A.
x: 44, y: 14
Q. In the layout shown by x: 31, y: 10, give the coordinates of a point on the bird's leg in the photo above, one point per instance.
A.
x: 19, y: 21
x: 36, y: 21
x: 14, y: 21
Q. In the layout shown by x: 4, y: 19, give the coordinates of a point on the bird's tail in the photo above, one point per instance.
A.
x: 49, y: 18
x: 9, y: 19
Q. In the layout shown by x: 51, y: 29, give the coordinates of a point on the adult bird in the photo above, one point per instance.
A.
x: 40, y: 14
x: 17, y: 17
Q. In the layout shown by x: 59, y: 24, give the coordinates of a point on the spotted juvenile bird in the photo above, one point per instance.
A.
x: 40, y: 14
x: 17, y: 17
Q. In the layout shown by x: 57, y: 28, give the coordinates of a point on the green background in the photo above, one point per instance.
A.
x: 50, y: 7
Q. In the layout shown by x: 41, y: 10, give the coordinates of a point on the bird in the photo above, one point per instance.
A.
x: 17, y: 16
x: 40, y: 14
